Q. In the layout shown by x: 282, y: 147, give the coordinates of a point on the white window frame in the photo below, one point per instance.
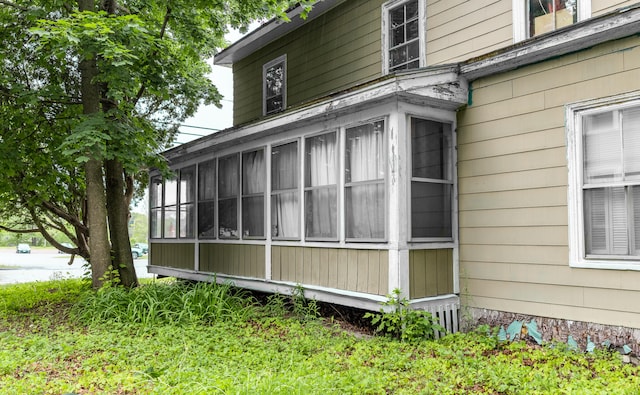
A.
x: 281, y: 59
x: 577, y: 248
x: 244, y: 195
x: 452, y: 182
x: 521, y: 17
x: 422, y: 31
x: 297, y: 190
x: 383, y: 181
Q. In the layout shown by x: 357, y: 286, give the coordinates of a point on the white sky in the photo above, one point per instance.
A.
x: 211, y: 117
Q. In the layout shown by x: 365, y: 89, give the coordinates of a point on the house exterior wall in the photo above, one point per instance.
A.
x: 458, y: 30
x: 340, y: 48
x: 430, y: 273
x: 348, y: 269
x: 599, y: 7
x: 177, y: 255
x: 513, y: 177
x: 246, y: 260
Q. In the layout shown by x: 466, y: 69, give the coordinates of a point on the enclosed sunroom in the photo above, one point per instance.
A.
x: 350, y: 197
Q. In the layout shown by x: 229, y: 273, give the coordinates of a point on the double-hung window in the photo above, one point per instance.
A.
x: 253, y: 188
x: 228, y: 186
x: 285, y: 217
x: 364, y: 182
x: 535, y: 17
x: 403, y: 36
x: 206, y: 199
x: 187, y: 202
x: 431, y: 179
x: 605, y: 183
x: 321, y: 187
x: 274, y: 77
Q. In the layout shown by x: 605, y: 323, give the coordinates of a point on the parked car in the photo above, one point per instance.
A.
x: 23, y: 248
x: 143, y: 246
x: 136, y: 252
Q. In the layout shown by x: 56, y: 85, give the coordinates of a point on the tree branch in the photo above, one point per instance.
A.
x: 21, y: 231
x: 163, y: 30
x: 14, y: 5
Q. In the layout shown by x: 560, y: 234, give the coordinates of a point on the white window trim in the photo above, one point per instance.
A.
x: 574, y: 113
x: 280, y: 59
x: 519, y: 11
x: 422, y: 32
x: 454, y: 191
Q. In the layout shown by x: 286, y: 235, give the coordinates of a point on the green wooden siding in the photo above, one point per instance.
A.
x: 337, y: 50
x: 176, y: 255
x: 348, y: 269
x: 430, y: 273
x: 245, y: 260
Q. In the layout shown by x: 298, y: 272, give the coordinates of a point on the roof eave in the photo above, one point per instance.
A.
x: 611, y: 26
x: 269, y: 32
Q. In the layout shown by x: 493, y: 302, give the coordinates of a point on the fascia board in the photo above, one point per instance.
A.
x: 269, y: 32
x: 611, y: 26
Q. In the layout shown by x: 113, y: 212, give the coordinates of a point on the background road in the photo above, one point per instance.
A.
x: 46, y: 264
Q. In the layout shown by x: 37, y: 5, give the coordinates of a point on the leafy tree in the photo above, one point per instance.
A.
x: 90, y: 94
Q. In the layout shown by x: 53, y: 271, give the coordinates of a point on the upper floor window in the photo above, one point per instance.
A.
x: 535, y: 17
x: 431, y: 179
x: 604, y: 179
x: 274, y: 76
x: 403, y: 36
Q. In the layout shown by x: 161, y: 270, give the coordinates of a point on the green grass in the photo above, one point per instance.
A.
x: 173, y: 338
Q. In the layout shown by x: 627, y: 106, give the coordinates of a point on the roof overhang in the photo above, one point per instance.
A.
x: 270, y: 31
x: 437, y: 87
x: 611, y: 26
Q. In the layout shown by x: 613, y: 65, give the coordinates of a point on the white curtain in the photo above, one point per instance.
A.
x: 321, y: 203
x: 284, y: 205
x: 365, y: 165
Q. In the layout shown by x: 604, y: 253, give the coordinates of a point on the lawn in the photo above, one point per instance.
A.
x: 171, y: 338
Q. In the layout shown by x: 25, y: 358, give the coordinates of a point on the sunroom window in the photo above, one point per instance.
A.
x: 170, y: 208
x: 285, y: 217
x: 228, y: 186
x: 321, y: 178
x: 187, y: 202
x: 155, y: 205
x: 206, y: 199
x: 253, y: 188
x: 611, y: 182
x: 364, y: 182
x: 431, y: 179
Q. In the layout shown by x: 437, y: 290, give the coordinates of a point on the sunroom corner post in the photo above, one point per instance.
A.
x: 397, y: 205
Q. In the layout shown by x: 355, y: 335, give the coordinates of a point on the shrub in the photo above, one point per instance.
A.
x: 402, y: 322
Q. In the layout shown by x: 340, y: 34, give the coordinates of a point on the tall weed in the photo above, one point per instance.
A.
x: 165, y: 303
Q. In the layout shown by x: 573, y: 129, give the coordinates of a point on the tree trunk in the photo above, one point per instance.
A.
x: 118, y: 211
x: 99, y: 247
